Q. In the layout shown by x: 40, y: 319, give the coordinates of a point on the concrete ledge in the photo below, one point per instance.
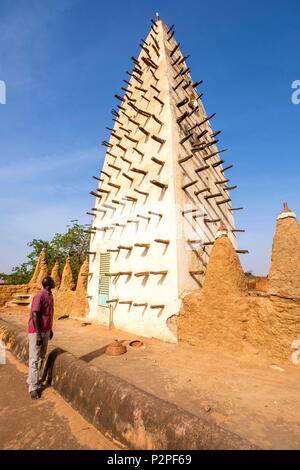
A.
x: 120, y: 410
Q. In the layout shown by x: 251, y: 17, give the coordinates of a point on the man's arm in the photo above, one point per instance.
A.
x: 37, y: 324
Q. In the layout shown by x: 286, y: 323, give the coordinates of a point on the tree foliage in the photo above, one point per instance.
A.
x: 74, y: 243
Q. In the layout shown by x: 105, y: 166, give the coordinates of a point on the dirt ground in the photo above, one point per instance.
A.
x: 259, y: 400
x: 49, y: 423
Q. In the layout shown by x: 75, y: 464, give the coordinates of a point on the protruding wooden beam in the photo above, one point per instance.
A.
x: 187, y: 137
x: 138, y: 151
x: 194, y: 273
x: 133, y: 121
x: 114, y: 167
x: 123, y: 247
x: 93, y: 193
x: 175, y: 49
x: 157, y: 120
x: 126, y: 160
x: 187, y: 85
x: 155, y: 213
x: 160, y: 273
x: 186, y: 186
x: 182, y: 102
x: 177, y: 75
x: 226, y: 168
x: 144, y: 131
x: 119, y: 98
x: 197, y: 83
x: 185, y: 159
x: 98, y: 179
x: 115, y: 201
x: 160, y: 306
x: 143, y: 217
x: 198, y: 170
x: 142, y: 274
x: 144, y: 90
x: 202, y: 134
x: 189, y: 211
x: 239, y: 230
x: 144, y: 193
x: 128, y: 177
x: 216, y: 164
x: 130, y: 198
x: 153, y: 75
x: 175, y: 61
x: 178, y: 84
x: 224, y: 201
x: 149, y: 62
x: 196, y: 108
x: 143, y: 304
x: 182, y: 117
x: 105, y: 191
x: 242, y: 251
x: 113, y: 250
x: 159, y: 100
x: 106, y: 144
x: 105, y: 174
x: 222, y: 182
x: 211, y: 221
x: 111, y: 154
x: 138, y: 170
x: 170, y: 37
x: 142, y: 245
x: 158, y: 139
x: 185, y: 71
x: 156, y: 160
x: 230, y: 188
x: 207, y: 119
x: 114, y: 185
x: 183, y: 59
x: 200, y: 191
x: 132, y: 139
x: 236, y: 208
x: 112, y: 301
x: 159, y: 184
x: 213, y: 196
x: 121, y: 147
x: 159, y: 240
x: 155, y: 50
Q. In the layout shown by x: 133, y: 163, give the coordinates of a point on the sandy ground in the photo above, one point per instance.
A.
x: 49, y: 423
x: 259, y: 400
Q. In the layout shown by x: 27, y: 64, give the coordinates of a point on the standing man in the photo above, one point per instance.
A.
x: 39, y: 332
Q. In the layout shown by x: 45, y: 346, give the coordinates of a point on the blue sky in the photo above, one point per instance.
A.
x: 63, y: 61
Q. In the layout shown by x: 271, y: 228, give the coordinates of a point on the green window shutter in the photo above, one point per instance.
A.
x: 104, y: 280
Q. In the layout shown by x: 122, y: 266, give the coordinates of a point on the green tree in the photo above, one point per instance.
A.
x: 74, y: 242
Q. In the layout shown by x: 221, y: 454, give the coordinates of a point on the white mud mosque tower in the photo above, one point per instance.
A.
x: 161, y: 195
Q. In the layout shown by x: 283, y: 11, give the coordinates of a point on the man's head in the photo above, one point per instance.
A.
x: 48, y: 283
